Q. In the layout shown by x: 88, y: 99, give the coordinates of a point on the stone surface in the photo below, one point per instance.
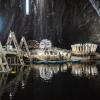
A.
x: 64, y: 22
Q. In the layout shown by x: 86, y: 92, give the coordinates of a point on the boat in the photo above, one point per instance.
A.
x: 50, y: 62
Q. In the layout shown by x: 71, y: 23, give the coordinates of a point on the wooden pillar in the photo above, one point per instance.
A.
x: 15, y: 60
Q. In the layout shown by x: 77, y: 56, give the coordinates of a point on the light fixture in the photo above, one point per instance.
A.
x: 27, y: 7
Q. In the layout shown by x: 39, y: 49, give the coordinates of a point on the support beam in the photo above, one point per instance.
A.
x: 23, y: 42
x: 12, y: 39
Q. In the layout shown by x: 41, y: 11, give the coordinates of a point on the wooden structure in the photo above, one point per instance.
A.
x: 3, y: 61
x: 26, y: 53
x: 13, y: 51
x: 33, y: 44
x: 13, y: 54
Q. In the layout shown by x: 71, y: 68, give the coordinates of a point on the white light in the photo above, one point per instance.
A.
x: 45, y: 44
x: 22, y: 39
x: 46, y: 73
x: 27, y: 7
x: 10, y: 35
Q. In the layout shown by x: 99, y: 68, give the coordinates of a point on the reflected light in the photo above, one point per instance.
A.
x: 23, y: 84
x: 10, y: 95
x: 77, y: 70
x: 88, y: 70
x: 64, y: 68
x: 13, y: 72
x: 46, y: 73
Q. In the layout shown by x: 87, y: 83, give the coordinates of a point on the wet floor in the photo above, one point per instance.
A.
x: 52, y: 82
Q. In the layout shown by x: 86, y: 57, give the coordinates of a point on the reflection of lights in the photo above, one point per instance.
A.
x: 46, y: 73
x: 10, y: 95
x: 13, y: 72
x: 76, y: 70
x: 94, y: 71
x: 84, y: 69
x: 64, y: 68
x: 91, y: 71
x: 27, y: 7
x: 55, y: 69
x: 23, y: 84
x: 69, y: 65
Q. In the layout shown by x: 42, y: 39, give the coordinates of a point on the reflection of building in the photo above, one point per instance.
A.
x: 77, y: 69
x: 11, y: 84
x: 64, y: 67
x: 46, y: 72
x: 84, y: 69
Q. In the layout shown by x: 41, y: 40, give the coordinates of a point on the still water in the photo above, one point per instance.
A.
x: 70, y: 81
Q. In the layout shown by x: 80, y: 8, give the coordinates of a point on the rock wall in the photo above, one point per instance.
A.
x: 64, y: 22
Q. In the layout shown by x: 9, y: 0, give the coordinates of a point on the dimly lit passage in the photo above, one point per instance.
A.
x: 49, y: 49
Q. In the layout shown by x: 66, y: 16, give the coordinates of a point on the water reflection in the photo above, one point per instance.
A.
x: 86, y: 69
x: 18, y: 77
x: 46, y: 72
x: 10, y: 82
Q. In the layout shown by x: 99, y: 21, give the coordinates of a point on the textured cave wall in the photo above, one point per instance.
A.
x: 8, y: 10
x: 64, y: 22
x: 81, y: 22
